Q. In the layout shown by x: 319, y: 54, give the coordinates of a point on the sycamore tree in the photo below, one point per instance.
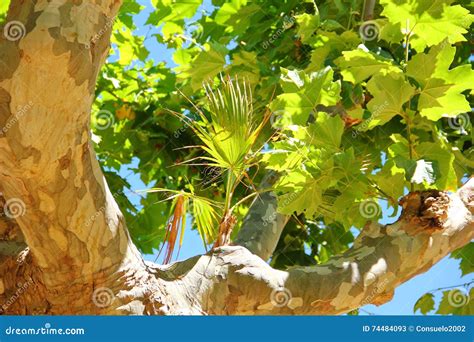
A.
x: 282, y: 131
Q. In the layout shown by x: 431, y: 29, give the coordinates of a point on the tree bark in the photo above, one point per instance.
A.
x: 263, y: 224
x: 80, y: 258
x: 50, y: 56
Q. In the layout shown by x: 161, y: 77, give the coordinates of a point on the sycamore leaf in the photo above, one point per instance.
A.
x: 327, y: 44
x: 425, y: 304
x: 305, y: 195
x: 205, y: 66
x: 307, y: 24
x: 284, y: 156
x: 466, y: 254
x: 390, y: 92
x: 391, y: 180
x: 303, y: 92
x: 457, y: 301
x: 443, y: 164
x: 423, y: 172
x: 358, y: 65
x: 441, y: 88
x: 438, y: 99
x: 327, y: 131
x: 429, y: 22
x: 172, y: 10
x: 229, y: 10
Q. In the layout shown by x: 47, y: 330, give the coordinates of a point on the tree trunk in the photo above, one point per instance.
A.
x: 80, y: 258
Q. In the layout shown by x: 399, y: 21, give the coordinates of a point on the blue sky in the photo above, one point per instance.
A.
x: 443, y: 274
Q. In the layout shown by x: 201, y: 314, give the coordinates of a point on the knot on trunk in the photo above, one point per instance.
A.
x: 425, y: 211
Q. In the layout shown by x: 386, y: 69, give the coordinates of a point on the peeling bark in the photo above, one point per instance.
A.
x: 49, y: 173
x: 80, y: 258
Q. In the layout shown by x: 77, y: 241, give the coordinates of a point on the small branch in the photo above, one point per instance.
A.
x: 368, y: 10
x: 263, y: 225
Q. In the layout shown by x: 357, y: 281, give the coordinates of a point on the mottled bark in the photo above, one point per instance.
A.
x: 80, y: 258
x: 232, y: 281
x: 51, y: 54
x: 263, y: 225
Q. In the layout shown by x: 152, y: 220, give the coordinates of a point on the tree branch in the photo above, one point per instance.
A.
x: 263, y: 225
x: 233, y: 281
x: 368, y: 10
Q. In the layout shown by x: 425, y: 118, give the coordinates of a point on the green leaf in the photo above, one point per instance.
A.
x: 307, y: 25
x: 305, y: 196
x: 425, y: 304
x: 466, y: 255
x: 326, y: 131
x: 443, y: 164
x: 390, y: 93
x: 205, y: 66
x: 391, y: 180
x: 229, y: 10
x: 441, y: 88
x: 328, y: 45
x: 457, y: 301
x: 358, y: 65
x: 303, y: 92
x: 173, y: 10
x: 429, y: 22
x: 4, y: 7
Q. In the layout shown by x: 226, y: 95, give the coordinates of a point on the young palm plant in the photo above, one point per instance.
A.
x: 229, y: 137
x: 228, y: 133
